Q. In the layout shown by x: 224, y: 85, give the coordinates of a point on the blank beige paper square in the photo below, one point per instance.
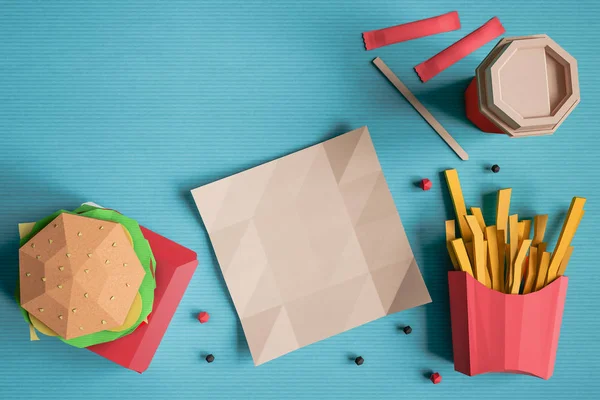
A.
x: 311, y: 245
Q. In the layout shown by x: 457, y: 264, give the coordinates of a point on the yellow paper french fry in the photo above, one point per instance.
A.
x: 532, y: 268
x: 521, y: 230
x: 492, y: 248
x: 515, y: 285
x: 513, y: 247
x: 567, y: 233
x: 565, y: 261
x: 542, y: 270
x: 476, y: 211
x: 501, y: 237
x: 539, y: 228
x: 487, y: 277
x: 478, y: 250
x: 527, y: 229
x: 450, y: 236
x: 469, y: 247
x: 461, y: 255
x: 502, y: 209
x: 459, y: 202
x: 541, y: 249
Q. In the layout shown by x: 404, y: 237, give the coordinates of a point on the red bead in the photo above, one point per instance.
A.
x: 435, y: 378
x: 426, y: 184
x: 203, y: 317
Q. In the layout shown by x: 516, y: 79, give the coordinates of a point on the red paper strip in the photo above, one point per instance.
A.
x: 459, y: 50
x: 412, y: 30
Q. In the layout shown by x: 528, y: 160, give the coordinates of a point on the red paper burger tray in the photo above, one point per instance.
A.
x: 175, y: 266
x: 497, y: 332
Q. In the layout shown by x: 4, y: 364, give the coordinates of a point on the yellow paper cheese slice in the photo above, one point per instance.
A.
x: 41, y: 327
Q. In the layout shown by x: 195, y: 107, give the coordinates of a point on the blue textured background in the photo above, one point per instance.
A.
x: 133, y: 103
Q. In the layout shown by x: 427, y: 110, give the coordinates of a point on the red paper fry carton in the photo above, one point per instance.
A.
x: 498, y: 332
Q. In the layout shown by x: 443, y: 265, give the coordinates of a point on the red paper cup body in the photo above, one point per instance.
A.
x: 497, y: 332
x: 474, y: 113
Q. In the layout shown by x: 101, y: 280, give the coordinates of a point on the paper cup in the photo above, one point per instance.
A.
x: 526, y: 86
x: 497, y: 332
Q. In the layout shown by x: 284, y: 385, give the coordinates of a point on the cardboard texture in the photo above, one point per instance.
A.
x: 443, y: 133
x: 73, y: 276
x: 175, y: 267
x: 497, y: 332
x: 411, y: 30
x: 526, y: 86
x: 532, y: 84
x: 310, y: 245
x: 459, y: 50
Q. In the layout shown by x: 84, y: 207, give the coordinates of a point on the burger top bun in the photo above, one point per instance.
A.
x: 79, y: 275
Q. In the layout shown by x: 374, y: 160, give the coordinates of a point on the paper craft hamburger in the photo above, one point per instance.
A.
x: 85, y: 276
